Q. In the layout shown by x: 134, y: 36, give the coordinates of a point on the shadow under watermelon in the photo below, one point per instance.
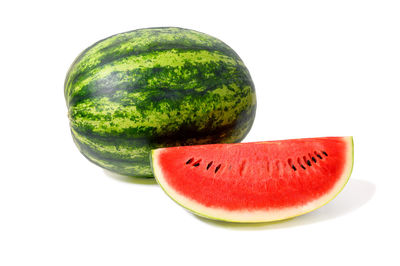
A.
x: 355, y: 194
x: 130, y: 179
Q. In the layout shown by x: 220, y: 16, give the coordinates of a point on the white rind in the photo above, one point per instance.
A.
x: 254, y: 216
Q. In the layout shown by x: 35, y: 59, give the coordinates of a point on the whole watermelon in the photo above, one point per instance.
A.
x: 156, y: 87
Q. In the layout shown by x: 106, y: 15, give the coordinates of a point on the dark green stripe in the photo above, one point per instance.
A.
x: 157, y: 39
x: 184, y: 134
x: 165, y: 79
x: 206, y: 113
x: 137, y: 168
x: 111, y: 57
x: 190, y: 70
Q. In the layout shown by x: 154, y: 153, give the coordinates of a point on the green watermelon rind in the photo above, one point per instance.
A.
x: 167, y: 86
x: 336, y: 190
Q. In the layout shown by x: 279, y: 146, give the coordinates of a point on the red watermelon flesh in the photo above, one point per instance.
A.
x: 255, y: 182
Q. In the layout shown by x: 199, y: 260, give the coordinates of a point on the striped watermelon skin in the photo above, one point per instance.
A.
x: 152, y: 88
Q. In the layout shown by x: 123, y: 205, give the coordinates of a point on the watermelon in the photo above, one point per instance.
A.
x: 156, y: 87
x: 255, y: 182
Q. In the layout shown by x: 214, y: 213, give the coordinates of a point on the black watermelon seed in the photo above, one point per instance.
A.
x: 197, y: 163
x: 319, y: 156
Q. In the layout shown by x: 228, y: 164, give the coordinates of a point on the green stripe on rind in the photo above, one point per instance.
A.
x: 114, y: 148
x: 139, y: 114
x: 175, y: 69
x: 181, y: 133
x: 138, y: 167
x: 143, y: 41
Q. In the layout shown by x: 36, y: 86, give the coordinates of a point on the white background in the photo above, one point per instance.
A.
x: 321, y: 68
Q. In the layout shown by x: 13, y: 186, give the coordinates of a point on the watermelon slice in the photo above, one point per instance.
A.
x: 255, y: 182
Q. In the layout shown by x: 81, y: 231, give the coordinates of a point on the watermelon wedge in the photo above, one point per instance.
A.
x: 255, y: 182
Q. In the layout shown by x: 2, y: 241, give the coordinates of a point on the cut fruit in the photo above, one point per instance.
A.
x: 255, y: 182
